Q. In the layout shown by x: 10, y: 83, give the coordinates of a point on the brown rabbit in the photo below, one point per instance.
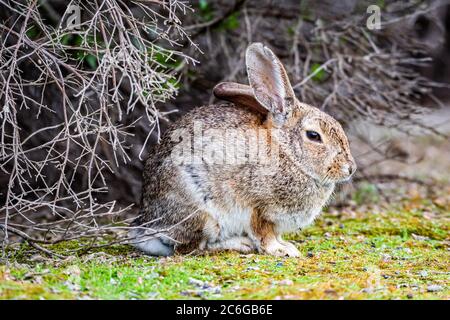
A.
x: 199, y: 200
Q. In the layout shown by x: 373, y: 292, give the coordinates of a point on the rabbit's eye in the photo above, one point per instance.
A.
x: 313, y: 136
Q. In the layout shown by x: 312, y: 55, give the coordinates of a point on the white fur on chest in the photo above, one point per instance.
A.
x: 290, y: 222
x: 294, y: 221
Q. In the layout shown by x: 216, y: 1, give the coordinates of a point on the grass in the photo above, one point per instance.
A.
x: 398, y: 252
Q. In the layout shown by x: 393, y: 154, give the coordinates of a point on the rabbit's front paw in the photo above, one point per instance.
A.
x: 276, y: 248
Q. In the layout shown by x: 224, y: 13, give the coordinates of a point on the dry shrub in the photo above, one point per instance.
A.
x: 79, y: 103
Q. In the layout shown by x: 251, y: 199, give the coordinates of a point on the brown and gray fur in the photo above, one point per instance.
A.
x: 246, y: 206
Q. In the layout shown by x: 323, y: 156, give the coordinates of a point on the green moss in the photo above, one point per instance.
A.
x: 396, y: 253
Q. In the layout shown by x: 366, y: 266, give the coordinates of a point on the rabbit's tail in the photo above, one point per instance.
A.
x: 151, y: 245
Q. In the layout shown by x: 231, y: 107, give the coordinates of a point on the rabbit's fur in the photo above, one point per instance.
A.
x: 244, y: 206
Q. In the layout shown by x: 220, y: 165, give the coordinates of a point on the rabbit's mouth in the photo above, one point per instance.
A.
x: 345, y: 180
x: 331, y: 179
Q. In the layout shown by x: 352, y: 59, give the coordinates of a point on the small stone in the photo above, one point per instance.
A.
x: 409, y: 296
x: 286, y: 297
x: 341, y: 226
x: 434, y: 288
x: 279, y: 264
x: 310, y: 254
x: 440, y: 202
x: 195, y: 282
x: 215, y: 290
x: 37, y: 258
x: 37, y: 279
x: 330, y: 292
x: 72, y: 286
x: 152, y: 295
x: 429, y: 215
x: 286, y: 282
x: 419, y: 237
x: 191, y: 293
x: 252, y: 268
x: 423, y: 273
x: 235, y: 288
x: 73, y: 270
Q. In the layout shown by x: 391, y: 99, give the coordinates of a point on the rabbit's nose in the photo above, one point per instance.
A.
x: 351, y: 168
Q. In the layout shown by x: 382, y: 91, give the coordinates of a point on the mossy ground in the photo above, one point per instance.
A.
x: 396, y: 252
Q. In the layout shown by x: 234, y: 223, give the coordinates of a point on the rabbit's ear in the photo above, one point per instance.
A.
x: 269, y: 81
x: 239, y: 94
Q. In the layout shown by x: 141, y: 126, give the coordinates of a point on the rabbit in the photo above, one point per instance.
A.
x: 201, y: 206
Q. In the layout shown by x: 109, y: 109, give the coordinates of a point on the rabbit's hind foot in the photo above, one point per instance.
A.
x: 155, y: 247
x: 240, y: 244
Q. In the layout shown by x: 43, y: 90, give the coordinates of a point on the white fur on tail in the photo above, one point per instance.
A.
x: 152, y: 246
